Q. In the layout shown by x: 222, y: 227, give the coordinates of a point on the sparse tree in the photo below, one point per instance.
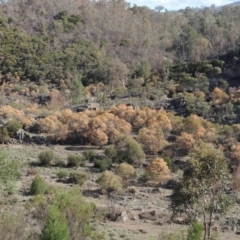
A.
x: 201, y: 190
x: 159, y: 8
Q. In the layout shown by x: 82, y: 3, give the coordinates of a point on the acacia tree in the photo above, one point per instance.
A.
x: 201, y: 190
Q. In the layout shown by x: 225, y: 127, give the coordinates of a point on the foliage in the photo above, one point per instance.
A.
x: 77, y: 213
x: 110, y: 151
x: 4, y: 135
x: 38, y: 186
x: 125, y: 171
x: 75, y: 161
x: 13, y: 225
x: 128, y: 150
x: 195, y: 231
x: 12, y: 127
x: 62, y: 174
x: 152, y: 140
x: 9, y: 173
x: 55, y: 227
x: 77, y: 94
x: 201, y: 190
x: 78, y: 177
x: 65, y: 207
x: 171, y: 236
x: 46, y: 157
x: 110, y: 182
x: 89, y: 154
x: 158, y: 170
x: 103, y: 164
x: 170, y: 163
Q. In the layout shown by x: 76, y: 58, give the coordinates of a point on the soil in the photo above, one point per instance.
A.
x: 142, y: 212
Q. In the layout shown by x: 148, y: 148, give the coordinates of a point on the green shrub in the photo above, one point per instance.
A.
x: 46, y: 157
x: 75, y: 161
x: 195, y: 231
x: 171, y: 236
x: 77, y: 212
x: 78, y: 177
x: 38, y: 186
x: 55, y: 227
x: 13, y: 225
x: 110, y: 182
x: 4, y: 135
x: 89, y: 155
x: 128, y: 150
x: 125, y: 171
x: 102, y: 164
x: 9, y: 173
x: 59, y: 162
x: 62, y: 174
x: 111, y: 152
x: 12, y: 127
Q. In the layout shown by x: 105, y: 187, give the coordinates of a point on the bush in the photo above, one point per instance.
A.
x: 195, y: 231
x: 4, y: 135
x: 171, y: 236
x: 12, y: 127
x: 110, y: 182
x: 9, y: 173
x: 46, y: 157
x: 78, y: 177
x: 128, y: 150
x: 75, y: 161
x: 62, y: 174
x: 158, y: 170
x: 125, y: 171
x: 38, y: 186
x: 77, y: 212
x: 58, y: 162
x: 89, y: 155
x: 55, y: 227
x: 170, y: 164
x: 103, y: 164
x: 13, y: 225
x: 111, y: 152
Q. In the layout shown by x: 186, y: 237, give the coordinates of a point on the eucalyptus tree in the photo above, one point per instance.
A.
x: 202, y: 190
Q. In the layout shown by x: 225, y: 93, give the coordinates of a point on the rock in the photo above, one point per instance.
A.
x: 123, y: 217
x: 180, y: 220
x: 132, y: 216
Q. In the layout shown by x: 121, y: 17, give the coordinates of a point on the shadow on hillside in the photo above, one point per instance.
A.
x: 95, y: 193
x: 81, y: 148
x: 35, y: 164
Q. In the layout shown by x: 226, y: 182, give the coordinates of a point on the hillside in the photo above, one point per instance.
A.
x: 234, y: 4
x: 112, y: 114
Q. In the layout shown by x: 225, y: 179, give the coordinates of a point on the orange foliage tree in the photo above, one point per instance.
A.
x: 185, y: 142
x: 158, y: 170
x: 218, y: 96
x: 106, y: 126
x: 152, y: 140
x: 9, y: 113
x: 54, y: 127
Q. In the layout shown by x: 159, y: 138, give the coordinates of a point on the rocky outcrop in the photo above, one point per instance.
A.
x: 26, y: 137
